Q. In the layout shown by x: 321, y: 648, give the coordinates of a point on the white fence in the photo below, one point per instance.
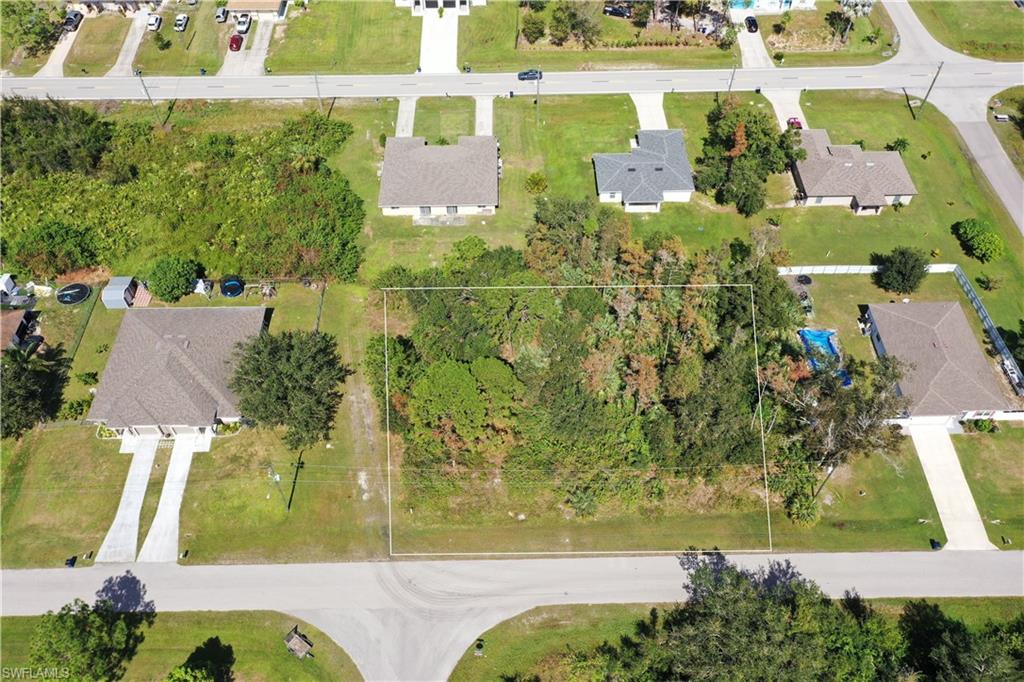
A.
x: 853, y: 269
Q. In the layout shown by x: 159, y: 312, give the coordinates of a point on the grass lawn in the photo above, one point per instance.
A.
x: 447, y: 117
x: 333, y: 36
x: 96, y: 50
x: 808, y: 41
x: 994, y: 466
x: 988, y: 30
x: 250, y: 640
x: 94, y: 350
x: 487, y: 42
x: 1011, y: 133
x: 18, y: 62
x: 534, y: 643
x: 62, y: 324
x: 61, y: 488
x: 201, y: 45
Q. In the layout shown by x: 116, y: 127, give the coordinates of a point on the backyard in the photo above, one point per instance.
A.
x: 201, y: 46
x: 994, y: 466
x: 488, y: 42
x: 346, y: 37
x: 1010, y: 133
x: 808, y: 40
x: 243, y: 645
x: 96, y: 49
x: 987, y: 30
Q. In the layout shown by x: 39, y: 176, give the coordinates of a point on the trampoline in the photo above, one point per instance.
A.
x: 822, y: 342
x: 73, y: 294
x: 232, y: 286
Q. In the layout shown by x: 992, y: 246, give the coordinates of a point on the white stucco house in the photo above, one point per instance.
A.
x: 655, y: 171
x: 420, y: 6
x: 846, y: 175
x: 421, y: 180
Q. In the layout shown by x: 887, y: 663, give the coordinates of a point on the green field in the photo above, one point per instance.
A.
x: 487, y: 42
x: 447, y: 117
x: 96, y: 49
x: 333, y: 36
x: 988, y: 29
x: 994, y: 466
x: 201, y: 45
x: 249, y: 642
x: 1011, y: 133
x: 808, y: 40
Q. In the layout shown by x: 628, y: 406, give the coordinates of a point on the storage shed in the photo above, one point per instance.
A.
x: 119, y: 292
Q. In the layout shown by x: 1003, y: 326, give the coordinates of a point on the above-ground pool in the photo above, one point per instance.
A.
x: 822, y: 341
x: 232, y: 286
x: 73, y: 294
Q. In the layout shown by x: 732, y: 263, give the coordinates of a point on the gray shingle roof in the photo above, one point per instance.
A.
x: 418, y: 174
x: 948, y: 372
x: 171, y: 366
x: 846, y: 170
x: 658, y: 164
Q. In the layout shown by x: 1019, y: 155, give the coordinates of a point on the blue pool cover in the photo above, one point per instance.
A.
x: 822, y: 341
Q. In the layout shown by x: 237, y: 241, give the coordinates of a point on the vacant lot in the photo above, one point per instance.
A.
x: 487, y: 42
x: 994, y: 466
x: 810, y: 41
x: 249, y: 642
x: 989, y: 30
x: 332, y: 36
x: 1011, y: 133
x: 96, y: 49
x: 201, y: 46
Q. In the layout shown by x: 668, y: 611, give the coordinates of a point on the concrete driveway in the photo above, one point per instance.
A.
x: 786, y: 104
x: 650, y: 110
x: 122, y: 540
x: 54, y: 66
x: 161, y: 542
x: 406, y: 116
x: 484, y: 116
x: 752, y: 49
x: 126, y: 57
x: 953, y: 498
x: 439, y: 42
x: 251, y: 59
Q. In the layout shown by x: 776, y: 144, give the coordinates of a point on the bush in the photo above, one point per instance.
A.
x: 162, y: 41
x: 75, y: 409
x: 533, y: 27
x: 902, y: 270
x: 536, y: 183
x: 978, y: 239
x: 173, y: 277
x: 53, y: 248
x: 382, y: 139
x: 88, y: 378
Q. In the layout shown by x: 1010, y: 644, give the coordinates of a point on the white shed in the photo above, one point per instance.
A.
x: 119, y: 292
x: 7, y: 286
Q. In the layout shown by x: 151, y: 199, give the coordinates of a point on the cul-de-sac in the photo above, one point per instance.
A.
x: 553, y: 340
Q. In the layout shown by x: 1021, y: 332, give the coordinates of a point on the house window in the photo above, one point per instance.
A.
x: 452, y: 210
x: 897, y: 198
x: 818, y: 200
x: 424, y: 210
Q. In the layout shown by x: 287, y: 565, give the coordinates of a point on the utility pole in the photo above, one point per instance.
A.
x: 536, y: 101
x: 316, y: 85
x: 926, y: 95
x: 298, y: 465
x: 731, y: 78
x: 138, y: 72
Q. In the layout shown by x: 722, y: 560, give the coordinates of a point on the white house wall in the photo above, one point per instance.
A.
x: 830, y: 201
x: 681, y: 196
x: 414, y: 211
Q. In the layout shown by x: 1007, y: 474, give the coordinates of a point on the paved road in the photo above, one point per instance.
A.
x: 413, y: 620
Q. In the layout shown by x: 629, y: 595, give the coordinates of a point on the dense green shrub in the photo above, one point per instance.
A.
x: 978, y: 239
x: 536, y: 183
x: 49, y: 136
x: 533, y: 27
x: 51, y: 248
x: 902, y: 270
x: 173, y: 277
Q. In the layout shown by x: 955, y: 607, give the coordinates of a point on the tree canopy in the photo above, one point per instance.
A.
x: 173, y: 277
x: 32, y: 386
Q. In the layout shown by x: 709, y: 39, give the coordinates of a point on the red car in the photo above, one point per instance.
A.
x: 794, y: 123
x: 235, y: 44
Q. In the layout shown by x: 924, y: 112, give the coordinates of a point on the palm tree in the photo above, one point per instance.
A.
x: 853, y: 9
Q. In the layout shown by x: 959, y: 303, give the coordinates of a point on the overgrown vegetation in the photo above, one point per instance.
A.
x: 263, y: 205
x: 32, y: 26
x: 32, y: 386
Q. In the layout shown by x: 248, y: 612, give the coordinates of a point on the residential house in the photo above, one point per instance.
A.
x: 946, y: 377
x: 277, y: 7
x: 424, y: 180
x: 420, y: 6
x: 169, y: 370
x: 846, y: 175
x: 656, y: 170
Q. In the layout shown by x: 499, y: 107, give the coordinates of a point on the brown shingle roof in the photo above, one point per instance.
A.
x: 846, y: 170
x: 171, y: 366
x: 417, y: 174
x: 948, y: 373
x: 10, y: 321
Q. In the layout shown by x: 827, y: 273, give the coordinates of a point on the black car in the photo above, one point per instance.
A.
x: 751, y: 24
x: 621, y: 12
x: 531, y: 75
x: 72, y: 20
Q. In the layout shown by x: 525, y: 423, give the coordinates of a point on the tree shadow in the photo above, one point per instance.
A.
x: 215, y: 657
x: 55, y: 377
x: 927, y: 629
x: 121, y: 601
x: 126, y: 593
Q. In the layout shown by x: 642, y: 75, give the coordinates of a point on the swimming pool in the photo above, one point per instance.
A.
x: 822, y: 341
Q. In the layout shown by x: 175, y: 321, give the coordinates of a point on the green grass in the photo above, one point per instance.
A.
x: 254, y: 637
x: 808, y: 41
x: 487, y: 42
x: 201, y: 45
x: 347, y: 37
x: 444, y: 117
x: 988, y: 30
x: 18, y: 62
x: 59, y: 324
x: 535, y: 642
x: 994, y: 466
x: 1011, y: 133
x: 96, y: 50
x: 94, y: 350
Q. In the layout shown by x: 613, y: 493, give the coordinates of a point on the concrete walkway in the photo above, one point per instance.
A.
x: 251, y: 59
x: 650, y: 110
x: 439, y: 42
x: 786, y: 104
x: 953, y: 498
x: 54, y: 66
x: 126, y: 57
x: 162, y: 540
x: 122, y: 539
x: 406, y: 116
x: 484, y: 116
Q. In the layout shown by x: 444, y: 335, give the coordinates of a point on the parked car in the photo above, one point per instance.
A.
x: 72, y: 20
x: 180, y: 22
x: 621, y: 12
x: 243, y: 23
x: 794, y: 123
x: 531, y: 75
x: 1001, y: 118
x: 221, y: 15
x: 235, y: 42
x: 155, y: 20
x: 751, y: 23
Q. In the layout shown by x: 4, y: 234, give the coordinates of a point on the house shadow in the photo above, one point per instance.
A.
x: 215, y: 658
